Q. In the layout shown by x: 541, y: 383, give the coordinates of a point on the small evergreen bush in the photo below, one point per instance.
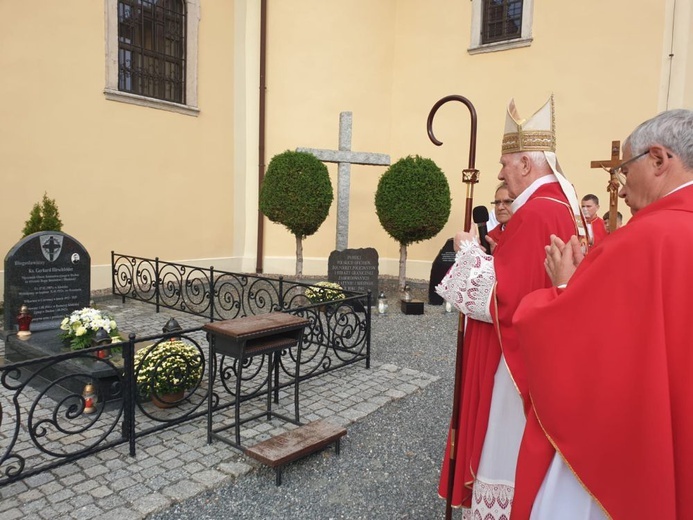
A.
x: 296, y: 192
x: 413, y: 203
x: 43, y: 217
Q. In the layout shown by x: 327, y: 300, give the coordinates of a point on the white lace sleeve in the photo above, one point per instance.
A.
x: 468, y: 285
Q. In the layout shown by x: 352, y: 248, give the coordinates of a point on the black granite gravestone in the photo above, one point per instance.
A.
x: 441, y: 265
x: 354, y: 269
x: 49, y: 272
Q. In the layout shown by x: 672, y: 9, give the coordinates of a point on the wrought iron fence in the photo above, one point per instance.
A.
x: 49, y: 419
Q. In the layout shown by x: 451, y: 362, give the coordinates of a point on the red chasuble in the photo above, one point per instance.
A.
x: 598, y: 229
x: 519, y: 265
x: 615, y: 395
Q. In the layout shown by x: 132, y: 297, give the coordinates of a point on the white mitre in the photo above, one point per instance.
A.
x: 538, y: 134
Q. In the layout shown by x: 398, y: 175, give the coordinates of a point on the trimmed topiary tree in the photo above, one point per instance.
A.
x: 43, y: 217
x: 296, y: 192
x: 413, y: 203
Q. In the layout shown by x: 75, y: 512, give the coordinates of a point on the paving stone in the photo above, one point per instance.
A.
x: 12, y: 514
x: 182, y: 490
x: 34, y: 506
x: 39, y: 479
x: 209, y: 477
x: 151, y: 503
x: 61, y: 495
x: 116, y: 514
x: 95, y: 471
x: 51, y: 487
x: 73, y: 479
x: 13, y: 489
x: 101, y: 491
x: 87, y: 512
x: 84, y: 487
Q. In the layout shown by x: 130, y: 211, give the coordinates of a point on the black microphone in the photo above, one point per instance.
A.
x: 480, y: 217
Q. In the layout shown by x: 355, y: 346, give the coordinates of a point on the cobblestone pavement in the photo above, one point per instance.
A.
x: 177, y: 465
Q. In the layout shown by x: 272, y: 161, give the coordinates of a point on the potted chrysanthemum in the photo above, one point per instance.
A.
x: 164, y: 371
x: 80, y: 327
x: 324, y: 293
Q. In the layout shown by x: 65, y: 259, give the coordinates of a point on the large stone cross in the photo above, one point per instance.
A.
x: 345, y: 158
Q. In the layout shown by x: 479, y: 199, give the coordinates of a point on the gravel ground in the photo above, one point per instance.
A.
x: 390, y: 461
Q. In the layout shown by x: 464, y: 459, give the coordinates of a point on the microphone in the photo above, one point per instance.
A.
x: 480, y: 217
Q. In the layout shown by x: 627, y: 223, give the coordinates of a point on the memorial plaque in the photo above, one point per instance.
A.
x: 355, y: 269
x: 441, y: 266
x: 49, y: 272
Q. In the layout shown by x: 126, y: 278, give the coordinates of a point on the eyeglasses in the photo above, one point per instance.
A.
x: 618, y: 170
x: 504, y: 202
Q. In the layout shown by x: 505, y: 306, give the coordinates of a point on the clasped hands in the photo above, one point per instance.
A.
x: 562, y: 259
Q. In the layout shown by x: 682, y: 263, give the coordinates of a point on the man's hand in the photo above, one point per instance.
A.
x: 461, y: 236
x: 562, y: 259
x: 491, y: 243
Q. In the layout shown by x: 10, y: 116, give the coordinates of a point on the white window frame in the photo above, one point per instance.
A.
x: 191, y: 56
x: 525, y: 40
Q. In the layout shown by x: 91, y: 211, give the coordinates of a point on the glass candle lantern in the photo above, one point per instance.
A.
x: 382, y: 303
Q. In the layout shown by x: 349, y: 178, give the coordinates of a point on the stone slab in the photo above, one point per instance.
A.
x: 49, y: 272
x: 355, y: 269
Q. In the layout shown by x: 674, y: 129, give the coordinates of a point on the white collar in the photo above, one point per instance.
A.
x: 529, y: 191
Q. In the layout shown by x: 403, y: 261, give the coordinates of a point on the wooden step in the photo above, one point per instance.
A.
x: 295, y: 444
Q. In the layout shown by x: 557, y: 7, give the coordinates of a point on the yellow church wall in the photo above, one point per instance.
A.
x: 602, y: 62
x: 325, y: 58
x: 134, y: 179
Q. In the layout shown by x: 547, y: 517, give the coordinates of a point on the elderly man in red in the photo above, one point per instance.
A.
x: 610, y: 430
x: 487, y: 289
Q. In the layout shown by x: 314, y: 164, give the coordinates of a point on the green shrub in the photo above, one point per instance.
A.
x: 43, y: 217
x: 296, y: 192
x: 412, y: 202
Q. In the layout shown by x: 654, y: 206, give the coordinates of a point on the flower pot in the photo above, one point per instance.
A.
x: 168, y: 400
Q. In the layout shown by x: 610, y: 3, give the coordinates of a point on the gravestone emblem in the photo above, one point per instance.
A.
x: 51, y: 246
x: 49, y: 272
x: 354, y: 269
x: 345, y: 158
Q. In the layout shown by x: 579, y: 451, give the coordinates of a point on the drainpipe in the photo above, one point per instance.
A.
x: 261, y: 140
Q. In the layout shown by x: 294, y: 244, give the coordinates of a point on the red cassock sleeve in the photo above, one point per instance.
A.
x: 614, y: 393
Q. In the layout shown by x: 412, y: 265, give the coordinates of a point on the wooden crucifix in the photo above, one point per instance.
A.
x: 613, y: 187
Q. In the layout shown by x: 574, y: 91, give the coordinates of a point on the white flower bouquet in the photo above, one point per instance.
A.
x: 324, y: 292
x: 167, y: 367
x: 80, y: 327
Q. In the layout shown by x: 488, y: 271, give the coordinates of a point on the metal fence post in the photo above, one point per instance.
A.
x: 212, y: 296
x: 129, y: 392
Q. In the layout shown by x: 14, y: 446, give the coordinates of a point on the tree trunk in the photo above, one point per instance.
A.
x: 402, y: 265
x: 299, y: 257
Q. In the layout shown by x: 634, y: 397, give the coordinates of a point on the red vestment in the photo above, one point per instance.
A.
x: 616, y: 397
x: 519, y: 266
x: 598, y: 230
x: 496, y: 232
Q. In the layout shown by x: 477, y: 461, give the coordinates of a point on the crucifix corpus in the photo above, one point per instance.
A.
x: 345, y: 158
x: 613, y: 187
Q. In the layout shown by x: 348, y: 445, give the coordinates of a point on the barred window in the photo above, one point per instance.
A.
x: 152, y: 48
x: 502, y: 20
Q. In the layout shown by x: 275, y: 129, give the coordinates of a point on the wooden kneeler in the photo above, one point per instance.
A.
x: 295, y: 444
